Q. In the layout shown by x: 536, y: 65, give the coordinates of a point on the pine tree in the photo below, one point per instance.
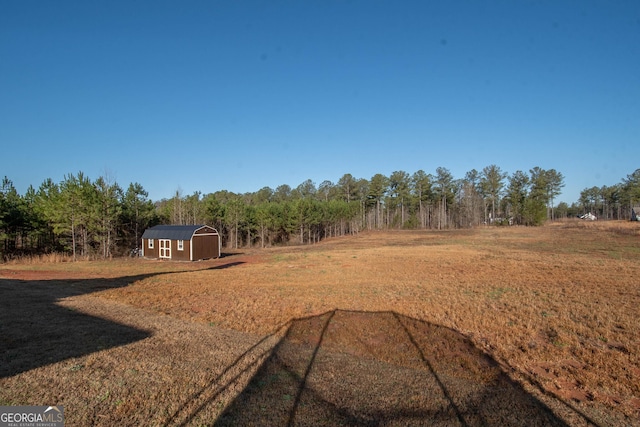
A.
x: 492, y: 184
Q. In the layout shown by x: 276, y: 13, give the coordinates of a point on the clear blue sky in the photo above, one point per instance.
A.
x: 238, y: 95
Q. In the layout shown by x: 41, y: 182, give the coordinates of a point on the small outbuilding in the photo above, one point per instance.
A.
x: 635, y: 213
x: 181, y: 242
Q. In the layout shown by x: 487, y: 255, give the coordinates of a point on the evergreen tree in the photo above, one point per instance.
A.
x: 471, y: 202
x: 554, y: 184
x: 377, y: 189
x: 234, y: 216
x: 590, y: 200
x: 137, y: 214
x: 108, y: 209
x: 399, y: 193
x: 324, y: 190
x: 535, y: 212
x: 630, y: 194
x: 444, y: 189
x: 282, y: 193
x: 421, y: 186
x: 263, y: 195
x: 517, y: 195
x: 12, y: 216
x: 492, y: 184
x: 306, y: 189
x: 214, y: 211
x: 46, y: 202
x: 75, y: 209
x: 346, y: 184
x: 264, y: 221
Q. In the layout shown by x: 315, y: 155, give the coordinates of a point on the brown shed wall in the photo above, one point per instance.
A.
x: 182, y: 255
x: 205, y: 247
x: 151, y: 253
x: 176, y: 255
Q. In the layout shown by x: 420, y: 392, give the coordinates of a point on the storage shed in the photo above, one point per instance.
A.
x: 181, y: 242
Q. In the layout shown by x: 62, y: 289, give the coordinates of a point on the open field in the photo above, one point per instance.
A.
x: 497, y: 326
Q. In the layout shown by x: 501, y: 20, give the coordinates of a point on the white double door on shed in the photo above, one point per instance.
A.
x: 165, y: 248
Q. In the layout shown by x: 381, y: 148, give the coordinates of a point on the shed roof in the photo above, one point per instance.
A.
x: 172, y: 232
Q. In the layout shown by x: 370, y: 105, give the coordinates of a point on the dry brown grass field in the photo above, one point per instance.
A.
x: 490, y: 326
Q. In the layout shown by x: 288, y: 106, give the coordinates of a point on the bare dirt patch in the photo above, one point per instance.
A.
x: 549, y: 313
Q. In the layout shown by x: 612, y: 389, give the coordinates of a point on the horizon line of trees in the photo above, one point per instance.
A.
x: 86, y: 218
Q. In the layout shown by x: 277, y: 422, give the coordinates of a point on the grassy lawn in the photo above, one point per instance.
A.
x: 554, y: 309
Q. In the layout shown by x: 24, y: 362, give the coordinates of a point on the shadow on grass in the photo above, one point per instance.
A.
x: 36, y: 331
x: 228, y: 254
x: 368, y: 369
x: 227, y: 265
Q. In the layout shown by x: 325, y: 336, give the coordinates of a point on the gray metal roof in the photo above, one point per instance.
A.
x: 172, y: 232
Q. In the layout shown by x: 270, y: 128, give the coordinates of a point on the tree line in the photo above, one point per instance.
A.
x: 97, y: 218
